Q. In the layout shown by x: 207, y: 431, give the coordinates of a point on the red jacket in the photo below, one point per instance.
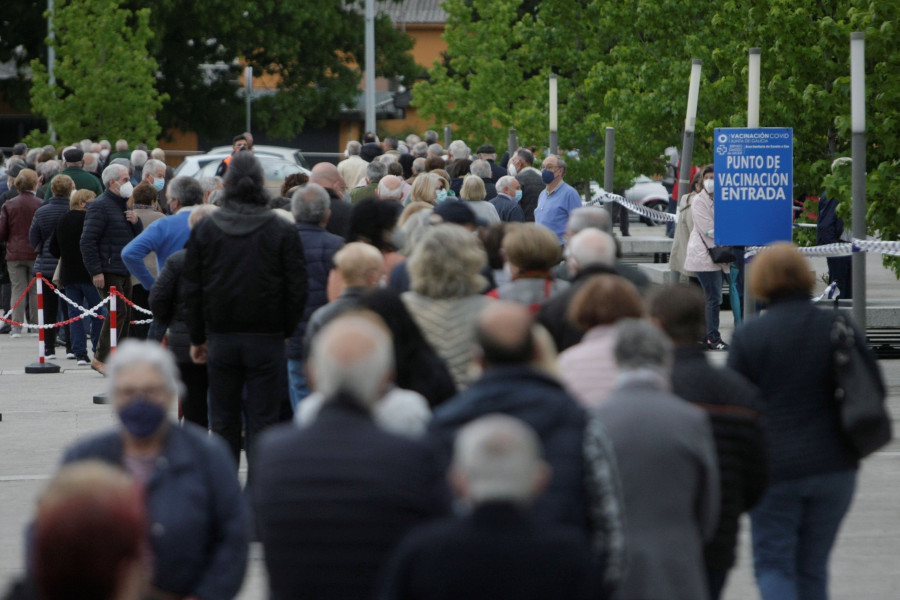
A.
x: 15, y: 222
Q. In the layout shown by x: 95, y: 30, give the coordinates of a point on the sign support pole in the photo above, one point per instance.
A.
x: 752, y: 122
x: 858, y: 150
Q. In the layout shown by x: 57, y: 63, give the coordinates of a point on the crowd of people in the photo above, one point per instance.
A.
x: 444, y: 381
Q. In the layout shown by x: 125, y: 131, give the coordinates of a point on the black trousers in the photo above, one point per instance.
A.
x: 141, y: 297
x: 194, y: 403
x: 247, y: 378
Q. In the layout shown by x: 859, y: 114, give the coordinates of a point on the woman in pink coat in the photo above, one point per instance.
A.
x: 697, y: 260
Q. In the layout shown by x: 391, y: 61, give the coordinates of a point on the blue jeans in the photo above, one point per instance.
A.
x: 711, y: 282
x: 794, y: 528
x: 298, y: 386
x: 86, y: 295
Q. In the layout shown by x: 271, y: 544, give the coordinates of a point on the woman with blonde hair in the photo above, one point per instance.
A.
x: 444, y: 299
x: 425, y: 189
x: 788, y: 352
x: 74, y: 277
x: 474, y: 193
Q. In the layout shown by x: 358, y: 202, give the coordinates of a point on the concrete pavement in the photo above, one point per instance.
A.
x: 43, y: 414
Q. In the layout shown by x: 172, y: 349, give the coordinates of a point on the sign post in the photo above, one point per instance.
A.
x: 754, y: 172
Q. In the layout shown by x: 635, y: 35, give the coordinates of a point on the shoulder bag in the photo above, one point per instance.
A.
x: 719, y: 254
x: 859, y: 392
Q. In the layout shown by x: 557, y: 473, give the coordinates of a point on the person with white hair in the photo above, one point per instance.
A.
x: 353, y: 168
x: 390, y: 188
x: 342, y: 478
x: 138, y: 160
x: 458, y: 150
x: 105, y: 235
x: 200, y: 525
x: 367, y: 188
x: 495, y: 551
x: 667, y: 466
x: 509, y: 194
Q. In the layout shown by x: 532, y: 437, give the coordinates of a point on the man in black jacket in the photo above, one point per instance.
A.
x: 108, y: 227
x: 496, y: 550
x: 332, y: 500
x: 244, y: 287
x: 733, y: 404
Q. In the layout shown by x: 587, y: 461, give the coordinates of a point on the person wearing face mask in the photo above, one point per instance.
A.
x: 108, y: 227
x: 198, y: 520
x: 73, y: 166
x: 698, y: 260
x: 558, y: 198
x: 509, y: 194
x: 521, y: 166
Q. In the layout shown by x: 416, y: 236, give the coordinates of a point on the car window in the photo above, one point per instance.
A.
x: 279, y: 170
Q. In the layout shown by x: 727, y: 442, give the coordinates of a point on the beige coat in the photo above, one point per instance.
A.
x: 682, y: 235
x: 697, y: 258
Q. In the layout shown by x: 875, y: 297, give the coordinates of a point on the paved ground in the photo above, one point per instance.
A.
x: 43, y: 414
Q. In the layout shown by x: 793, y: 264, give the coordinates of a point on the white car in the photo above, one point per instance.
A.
x: 289, y: 154
x: 191, y: 165
x: 275, y: 169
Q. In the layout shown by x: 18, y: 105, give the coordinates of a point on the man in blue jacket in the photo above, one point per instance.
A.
x: 108, y: 227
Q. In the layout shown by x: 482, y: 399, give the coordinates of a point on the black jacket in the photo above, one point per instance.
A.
x: 495, y: 553
x: 787, y: 352
x: 106, y: 232
x: 334, y: 499
x: 733, y: 404
x: 243, y: 273
x: 339, y: 221
x: 532, y: 186
x: 540, y: 401
x: 66, y: 245
x: 553, y: 312
x: 43, y: 226
x: 168, y: 307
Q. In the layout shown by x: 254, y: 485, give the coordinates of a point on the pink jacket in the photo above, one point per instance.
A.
x: 697, y: 258
x: 588, y: 369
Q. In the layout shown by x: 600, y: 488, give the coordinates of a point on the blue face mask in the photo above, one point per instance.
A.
x: 547, y: 176
x: 441, y: 196
x: 159, y: 183
x: 518, y: 195
x: 142, y: 417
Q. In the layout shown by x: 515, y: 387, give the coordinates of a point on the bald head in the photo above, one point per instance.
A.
x: 390, y: 188
x: 360, y: 265
x: 353, y: 355
x: 504, y: 334
x: 591, y: 247
x: 326, y: 175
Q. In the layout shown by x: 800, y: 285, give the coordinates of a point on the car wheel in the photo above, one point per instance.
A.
x: 661, y: 206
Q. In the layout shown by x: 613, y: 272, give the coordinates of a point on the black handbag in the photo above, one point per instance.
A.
x: 719, y: 254
x: 859, y: 392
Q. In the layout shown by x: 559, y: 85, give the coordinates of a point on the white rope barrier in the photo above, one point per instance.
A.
x: 644, y: 211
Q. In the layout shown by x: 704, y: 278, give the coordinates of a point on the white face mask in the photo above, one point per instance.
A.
x: 709, y: 185
x: 511, y: 169
x: 125, y: 190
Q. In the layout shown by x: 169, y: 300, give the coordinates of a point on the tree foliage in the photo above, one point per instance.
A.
x: 105, y: 78
x: 626, y: 65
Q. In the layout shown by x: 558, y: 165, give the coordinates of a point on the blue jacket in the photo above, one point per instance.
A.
x: 319, y: 248
x: 540, y: 401
x: 165, y: 237
x: 106, y: 233
x: 199, y: 524
x: 42, y: 228
x: 508, y: 209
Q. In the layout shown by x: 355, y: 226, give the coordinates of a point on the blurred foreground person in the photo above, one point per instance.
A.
x: 90, y: 536
x: 733, y: 406
x: 332, y: 500
x: 667, y: 465
x: 199, y: 533
x: 788, y: 352
x: 497, y: 550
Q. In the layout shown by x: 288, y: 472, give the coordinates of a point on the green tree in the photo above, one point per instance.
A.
x: 105, y: 78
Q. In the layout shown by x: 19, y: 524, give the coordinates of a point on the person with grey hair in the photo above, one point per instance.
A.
x: 154, y: 173
x: 200, y: 520
x: 328, y: 176
x: 521, y: 166
x: 108, y: 227
x: 46, y: 172
x: 375, y: 170
x: 353, y: 168
x: 208, y: 185
x: 458, y: 150
x: 667, y: 467
x: 435, y: 150
x: 420, y: 150
x: 138, y: 160
x: 341, y: 478
x: 509, y: 193
x: 558, y: 199
x: 86, y: 145
x: 390, y: 187
x: 496, y: 549
x: 431, y: 137
x: 482, y: 168
x: 310, y: 205
x: 164, y: 236
x: 73, y: 166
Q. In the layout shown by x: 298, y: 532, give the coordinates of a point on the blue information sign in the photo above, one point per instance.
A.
x: 754, y: 175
